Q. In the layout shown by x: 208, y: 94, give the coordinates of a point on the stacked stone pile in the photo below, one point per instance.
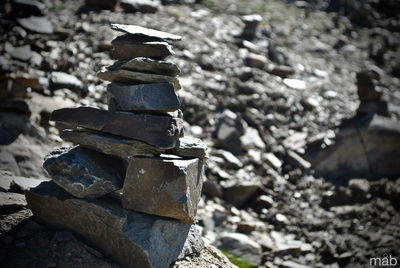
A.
x: 132, y: 184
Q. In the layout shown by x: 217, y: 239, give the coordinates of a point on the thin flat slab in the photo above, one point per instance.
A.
x: 134, y: 78
x: 141, y: 31
x: 10, y: 182
x: 129, y: 238
x: 146, y: 65
x: 11, y: 201
x: 157, y: 130
x: 124, y: 148
x: 126, y: 47
x: 169, y: 187
x: 159, y: 97
x: 84, y: 173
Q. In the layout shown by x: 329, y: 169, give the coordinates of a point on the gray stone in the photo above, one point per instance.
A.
x: 127, y: 47
x: 25, y: 8
x: 297, y: 161
x: 256, y: 61
x: 145, y: 65
x: 228, y: 130
x: 208, y: 257
x: 141, y: 31
x: 129, y: 238
x: 103, y: 4
x: 130, y: 77
x: 373, y: 107
x: 84, y: 173
x: 237, y: 193
x: 161, y: 131
x: 110, y: 144
x: 125, y: 148
x: 37, y: 24
x: 23, y: 53
x: 8, y: 181
x: 160, y: 97
x: 11, y: 201
x: 143, y: 6
x: 242, y: 246
x: 169, y: 187
x: 60, y: 80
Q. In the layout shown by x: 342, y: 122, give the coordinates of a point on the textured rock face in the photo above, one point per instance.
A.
x: 163, y: 186
x: 141, y: 31
x: 161, y: 131
x: 134, y: 78
x: 143, y: 6
x: 147, y: 65
x: 158, y: 97
x: 125, y: 148
x: 127, y: 47
x: 84, y: 173
x: 130, y: 238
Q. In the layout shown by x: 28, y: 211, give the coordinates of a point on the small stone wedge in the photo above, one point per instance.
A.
x: 141, y: 31
x: 147, y: 65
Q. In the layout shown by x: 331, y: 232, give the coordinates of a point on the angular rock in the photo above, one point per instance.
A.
x: 161, y: 131
x: 160, y: 97
x: 125, y: 148
x: 241, y: 246
x: 169, y: 187
x: 84, y: 173
x: 130, y: 77
x: 23, y: 53
x: 256, y: 61
x: 129, y: 238
x: 127, y: 47
x: 366, y: 81
x: 373, y: 107
x: 251, y: 22
x: 143, y: 6
x: 60, y: 80
x: 10, y: 201
x: 189, y: 147
x: 294, y: 83
x: 228, y: 130
x: 297, y: 161
x: 8, y: 181
x: 147, y: 65
x: 37, y: 24
x: 141, y: 31
x: 280, y: 70
x: 18, y: 105
x: 238, y: 193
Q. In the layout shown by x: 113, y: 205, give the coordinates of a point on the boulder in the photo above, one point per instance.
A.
x: 37, y: 24
x: 127, y: 47
x: 144, y: 32
x: 84, y: 173
x: 147, y: 65
x: 143, y: 6
x: 164, y: 186
x: 130, y: 77
x: 125, y: 148
x: 161, y: 131
x: 130, y: 238
x: 159, y: 97
x: 242, y: 246
x: 59, y: 80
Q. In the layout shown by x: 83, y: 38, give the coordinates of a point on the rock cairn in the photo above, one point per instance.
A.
x: 131, y: 186
x: 369, y: 94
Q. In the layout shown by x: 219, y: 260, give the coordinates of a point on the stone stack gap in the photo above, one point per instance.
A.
x: 132, y: 184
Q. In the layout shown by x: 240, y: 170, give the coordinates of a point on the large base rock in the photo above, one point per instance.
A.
x: 169, y: 187
x: 161, y: 131
x: 83, y: 172
x: 130, y: 238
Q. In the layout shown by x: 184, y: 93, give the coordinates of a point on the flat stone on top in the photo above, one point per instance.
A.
x: 130, y: 77
x: 141, y: 31
x: 161, y: 131
x: 160, y: 97
x: 162, y: 186
x: 146, y: 65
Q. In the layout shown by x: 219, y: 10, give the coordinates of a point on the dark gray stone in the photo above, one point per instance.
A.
x: 160, y: 97
x: 134, y: 78
x: 37, y: 24
x: 161, y: 131
x: 27, y: 8
x: 141, y: 31
x: 84, y: 173
x: 125, y: 148
x: 127, y: 47
x: 103, y: 4
x: 169, y: 187
x: 147, y: 65
x: 129, y: 238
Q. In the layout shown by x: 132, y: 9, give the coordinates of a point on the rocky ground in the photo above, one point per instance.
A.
x: 260, y: 105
